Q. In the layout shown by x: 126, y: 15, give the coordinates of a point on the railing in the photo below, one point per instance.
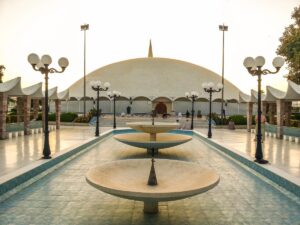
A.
x: 289, y: 131
x: 12, y: 127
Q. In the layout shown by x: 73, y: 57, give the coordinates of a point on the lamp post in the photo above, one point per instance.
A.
x: 254, y: 67
x: 113, y: 96
x: 210, y: 88
x: 97, y: 86
x: 192, y: 96
x: 84, y: 28
x: 223, y: 28
x: 42, y: 65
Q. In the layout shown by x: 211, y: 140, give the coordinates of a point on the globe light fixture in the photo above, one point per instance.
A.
x: 192, y: 96
x: 211, y: 88
x: 113, y: 96
x: 97, y: 86
x: 254, y: 67
x: 42, y: 65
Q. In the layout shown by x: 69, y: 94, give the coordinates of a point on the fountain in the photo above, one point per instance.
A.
x: 154, y: 135
x: 176, y: 179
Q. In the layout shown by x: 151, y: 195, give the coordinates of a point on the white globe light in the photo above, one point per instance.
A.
x: 93, y: 83
x: 46, y: 59
x: 259, y: 61
x: 219, y: 86
x: 210, y: 85
x: 204, y: 85
x: 249, y: 62
x: 63, y: 62
x: 278, y: 62
x: 40, y: 65
x: 107, y: 84
x: 187, y: 94
x: 98, y: 83
x: 33, y: 59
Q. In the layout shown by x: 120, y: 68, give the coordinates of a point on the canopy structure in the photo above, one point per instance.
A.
x: 12, y: 88
x: 273, y: 94
x: 274, y: 102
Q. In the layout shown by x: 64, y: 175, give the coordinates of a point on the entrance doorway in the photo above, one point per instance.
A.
x: 161, y: 108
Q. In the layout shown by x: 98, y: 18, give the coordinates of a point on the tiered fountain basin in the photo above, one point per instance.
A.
x: 176, y: 180
x: 147, y: 127
x: 154, y: 137
x: 142, y: 140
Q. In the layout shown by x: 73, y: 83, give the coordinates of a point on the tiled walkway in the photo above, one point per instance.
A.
x: 20, y: 151
x: 282, y: 154
x: 64, y: 197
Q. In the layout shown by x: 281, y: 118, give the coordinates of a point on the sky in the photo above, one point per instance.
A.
x: 121, y: 29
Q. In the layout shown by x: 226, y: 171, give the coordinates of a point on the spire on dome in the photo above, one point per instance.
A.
x: 150, y: 53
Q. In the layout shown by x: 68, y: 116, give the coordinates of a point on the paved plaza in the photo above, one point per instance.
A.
x: 64, y: 197
x: 282, y: 154
x: 20, y: 151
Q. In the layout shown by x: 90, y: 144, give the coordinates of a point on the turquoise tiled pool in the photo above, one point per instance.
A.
x: 64, y: 197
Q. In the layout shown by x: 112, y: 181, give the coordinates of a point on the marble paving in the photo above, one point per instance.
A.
x: 282, y: 154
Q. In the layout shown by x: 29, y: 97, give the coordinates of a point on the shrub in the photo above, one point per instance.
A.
x: 82, y: 119
x: 68, y: 117
x: 52, y: 117
x: 216, y: 118
x: 238, y: 119
x: 39, y: 116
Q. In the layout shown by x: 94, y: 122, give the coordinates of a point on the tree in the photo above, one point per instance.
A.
x: 1, y: 72
x: 289, y: 47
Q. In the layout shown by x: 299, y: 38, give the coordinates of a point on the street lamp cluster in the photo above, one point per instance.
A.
x: 113, y: 96
x: 98, y: 86
x: 42, y: 65
x: 211, y: 88
x: 192, y: 96
x: 254, y: 67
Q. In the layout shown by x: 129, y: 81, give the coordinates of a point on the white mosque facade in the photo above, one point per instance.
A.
x: 153, y: 83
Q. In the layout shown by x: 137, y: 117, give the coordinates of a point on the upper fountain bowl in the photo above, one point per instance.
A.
x: 158, y: 127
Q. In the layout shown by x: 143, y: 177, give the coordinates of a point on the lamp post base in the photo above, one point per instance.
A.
x: 261, y: 161
x: 46, y: 157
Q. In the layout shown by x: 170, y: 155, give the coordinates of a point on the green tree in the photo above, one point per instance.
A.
x: 1, y: 72
x: 289, y: 47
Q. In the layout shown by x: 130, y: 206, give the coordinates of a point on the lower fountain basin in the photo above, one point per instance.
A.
x: 142, y: 140
x: 176, y: 179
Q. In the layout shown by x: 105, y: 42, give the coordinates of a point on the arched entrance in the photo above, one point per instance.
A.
x: 161, y: 108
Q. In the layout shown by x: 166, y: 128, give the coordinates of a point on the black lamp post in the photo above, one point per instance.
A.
x: 84, y: 28
x: 97, y: 86
x: 210, y: 88
x: 113, y: 96
x: 42, y: 65
x: 254, y: 67
x: 192, y: 96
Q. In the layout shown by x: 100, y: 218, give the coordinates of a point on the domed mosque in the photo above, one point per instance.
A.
x: 154, y: 83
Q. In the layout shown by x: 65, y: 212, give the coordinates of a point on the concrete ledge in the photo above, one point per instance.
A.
x: 12, y: 180
x: 276, y: 175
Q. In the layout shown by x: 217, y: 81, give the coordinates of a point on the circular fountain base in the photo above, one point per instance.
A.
x: 175, y: 180
x: 142, y: 140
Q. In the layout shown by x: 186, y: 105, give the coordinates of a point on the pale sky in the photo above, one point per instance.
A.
x: 121, y: 29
